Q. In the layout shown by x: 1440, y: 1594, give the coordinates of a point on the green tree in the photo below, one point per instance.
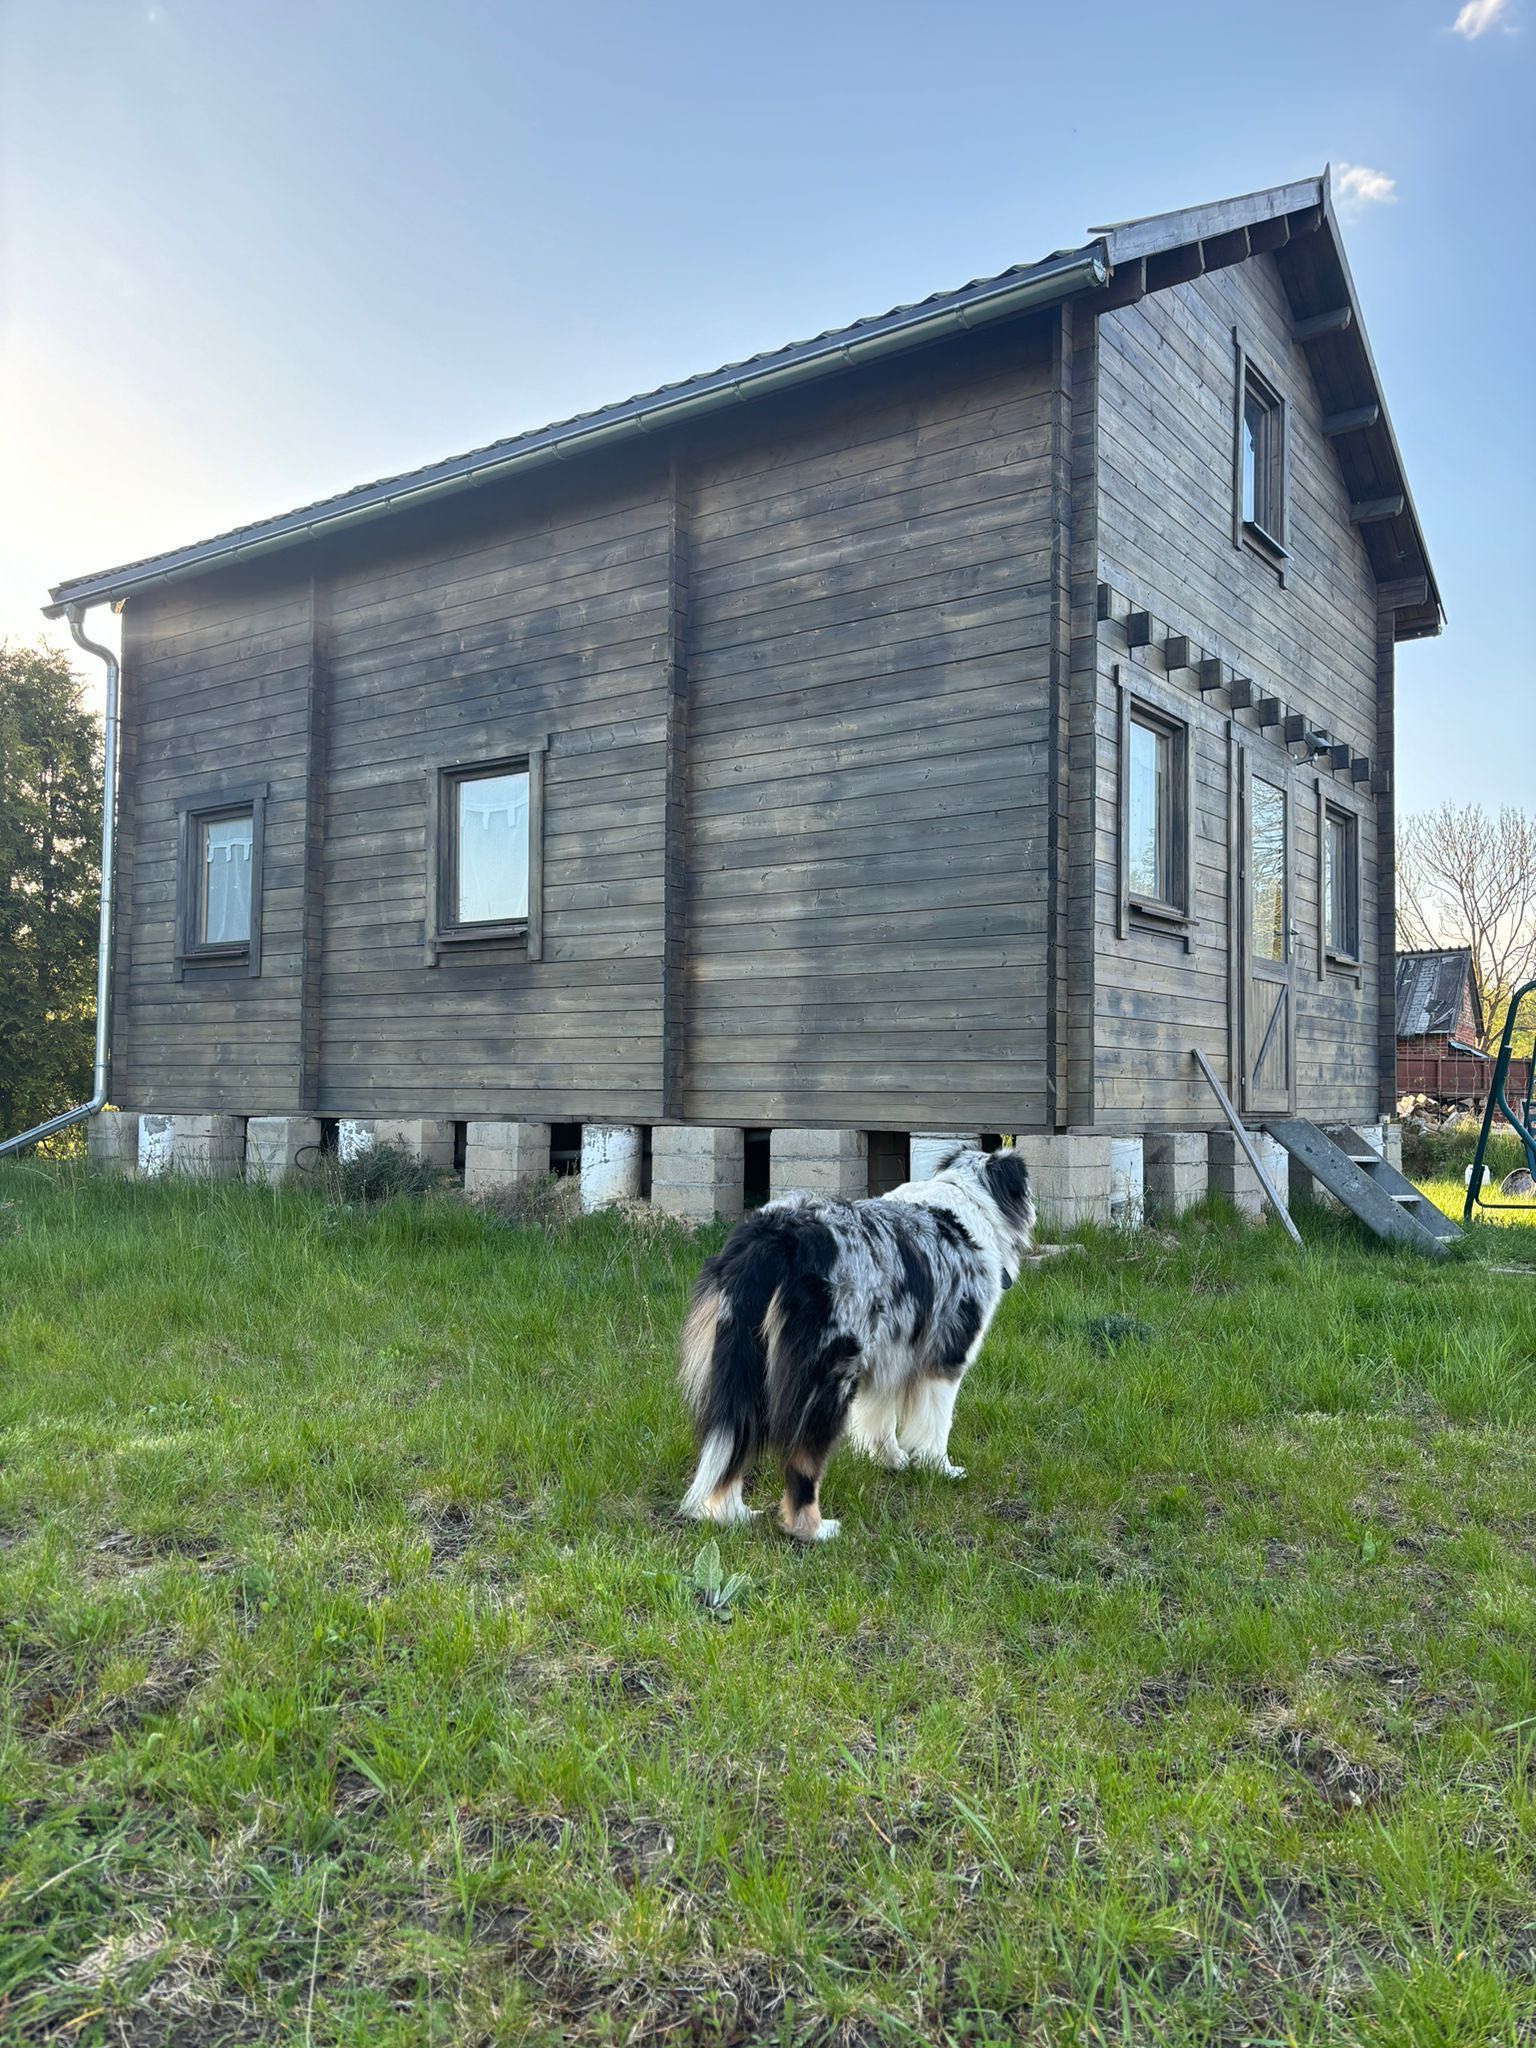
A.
x: 50, y: 873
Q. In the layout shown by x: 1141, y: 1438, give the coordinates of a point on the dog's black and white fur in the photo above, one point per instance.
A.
x: 820, y: 1316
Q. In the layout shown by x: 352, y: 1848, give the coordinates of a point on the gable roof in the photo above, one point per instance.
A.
x: 1434, y: 992
x: 1120, y: 264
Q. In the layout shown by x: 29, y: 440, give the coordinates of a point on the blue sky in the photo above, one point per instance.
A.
x: 255, y: 253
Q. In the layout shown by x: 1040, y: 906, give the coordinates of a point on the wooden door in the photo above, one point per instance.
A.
x: 1266, y: 1036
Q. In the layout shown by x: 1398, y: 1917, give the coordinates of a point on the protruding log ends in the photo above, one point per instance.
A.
x: 1212, y: 674
x: 1180, y: 651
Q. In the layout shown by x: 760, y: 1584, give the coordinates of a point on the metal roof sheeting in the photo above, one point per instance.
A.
x: 1432, y: 992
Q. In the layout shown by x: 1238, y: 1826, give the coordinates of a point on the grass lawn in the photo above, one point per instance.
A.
x: 355, y: 1686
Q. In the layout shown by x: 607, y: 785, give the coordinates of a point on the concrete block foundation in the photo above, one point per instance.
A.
x: 273, y: 1145
x: 210, y: 1147
x: 1176, y: 1171
x: 112, y: 1143
x: 427, y: 1138
x: 697, y: 1171
x: 1071, y: 1174
x: 611, y: 1157
x: 930, y: 1149
x: 1235, y: 1180
x: 497, y: 1155
x: 834, y: 1163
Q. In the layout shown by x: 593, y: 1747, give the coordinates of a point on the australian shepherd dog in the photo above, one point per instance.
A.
x: 822, y: 1316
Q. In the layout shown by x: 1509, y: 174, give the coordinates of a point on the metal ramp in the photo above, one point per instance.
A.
x: 1340, y: 1160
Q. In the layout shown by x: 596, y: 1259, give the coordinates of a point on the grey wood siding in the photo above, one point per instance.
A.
x: 1166, y: 375
x: 216, y: 685
x: 551, y: 622
x: 832, y: 777
x: 868, y: 663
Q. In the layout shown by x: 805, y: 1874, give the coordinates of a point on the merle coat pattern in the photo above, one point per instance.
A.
x: 820, y: 1317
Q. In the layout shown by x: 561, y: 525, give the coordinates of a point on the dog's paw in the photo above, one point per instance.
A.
x: 826, y: 1530
x: 948, y: 1471
x: 891, y: 1455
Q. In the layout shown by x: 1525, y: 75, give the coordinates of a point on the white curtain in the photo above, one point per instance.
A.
x: 493, y: 848
x: 226, y: 882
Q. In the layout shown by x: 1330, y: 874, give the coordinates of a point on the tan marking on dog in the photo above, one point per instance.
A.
x: 697, y: 1350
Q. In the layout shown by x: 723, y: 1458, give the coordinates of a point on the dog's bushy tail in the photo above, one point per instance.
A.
x: 724, y: 1368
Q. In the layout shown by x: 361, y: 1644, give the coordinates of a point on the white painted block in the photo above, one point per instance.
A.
x: 610, y: 1164
x: 156, y: 1142
x: 930, y: 1149
x: 354, y: 1137
x: 1127, y: 1183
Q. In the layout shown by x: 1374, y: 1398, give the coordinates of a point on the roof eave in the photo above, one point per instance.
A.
x: 1042, y: 284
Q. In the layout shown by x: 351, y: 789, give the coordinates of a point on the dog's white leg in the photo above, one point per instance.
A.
x: 872, y: 1428
x: 929, y: 1418
x: 713, y: 1495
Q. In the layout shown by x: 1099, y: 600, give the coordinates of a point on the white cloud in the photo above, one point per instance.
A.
x: 1478, y: 16
x: 1359, y: 186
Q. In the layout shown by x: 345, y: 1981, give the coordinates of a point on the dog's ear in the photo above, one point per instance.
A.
x: 1008, y: 1185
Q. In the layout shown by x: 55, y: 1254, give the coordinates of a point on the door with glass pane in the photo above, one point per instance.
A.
x: 1266, y: 1037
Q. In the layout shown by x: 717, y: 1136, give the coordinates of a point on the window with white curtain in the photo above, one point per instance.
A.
x: 490, y: 848
x: 485, y: 864
x: 225, y: 847
x: 218, y: 880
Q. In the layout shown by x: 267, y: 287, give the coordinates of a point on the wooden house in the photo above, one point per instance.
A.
x: 1439, y: 1026
x: 940, y: 726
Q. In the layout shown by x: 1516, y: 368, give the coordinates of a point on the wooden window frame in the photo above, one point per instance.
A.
x: 442, y: 928
x: 192, y: 813
x: 1156, y: 913
x: 1263, y: 541
x: 1333, y: 958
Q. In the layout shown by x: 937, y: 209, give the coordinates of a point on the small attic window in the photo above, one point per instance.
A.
x: 1260, y: 463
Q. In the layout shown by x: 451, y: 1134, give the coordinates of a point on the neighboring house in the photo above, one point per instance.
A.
x: 939, y: 726
x: 1439, y: 1023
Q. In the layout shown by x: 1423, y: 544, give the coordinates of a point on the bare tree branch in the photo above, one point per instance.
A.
x: 1466, y: 877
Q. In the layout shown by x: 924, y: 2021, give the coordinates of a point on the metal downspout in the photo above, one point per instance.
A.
x: 75, y: 613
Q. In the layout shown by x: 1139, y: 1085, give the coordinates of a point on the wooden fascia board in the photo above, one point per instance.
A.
x: 1128, y: 240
